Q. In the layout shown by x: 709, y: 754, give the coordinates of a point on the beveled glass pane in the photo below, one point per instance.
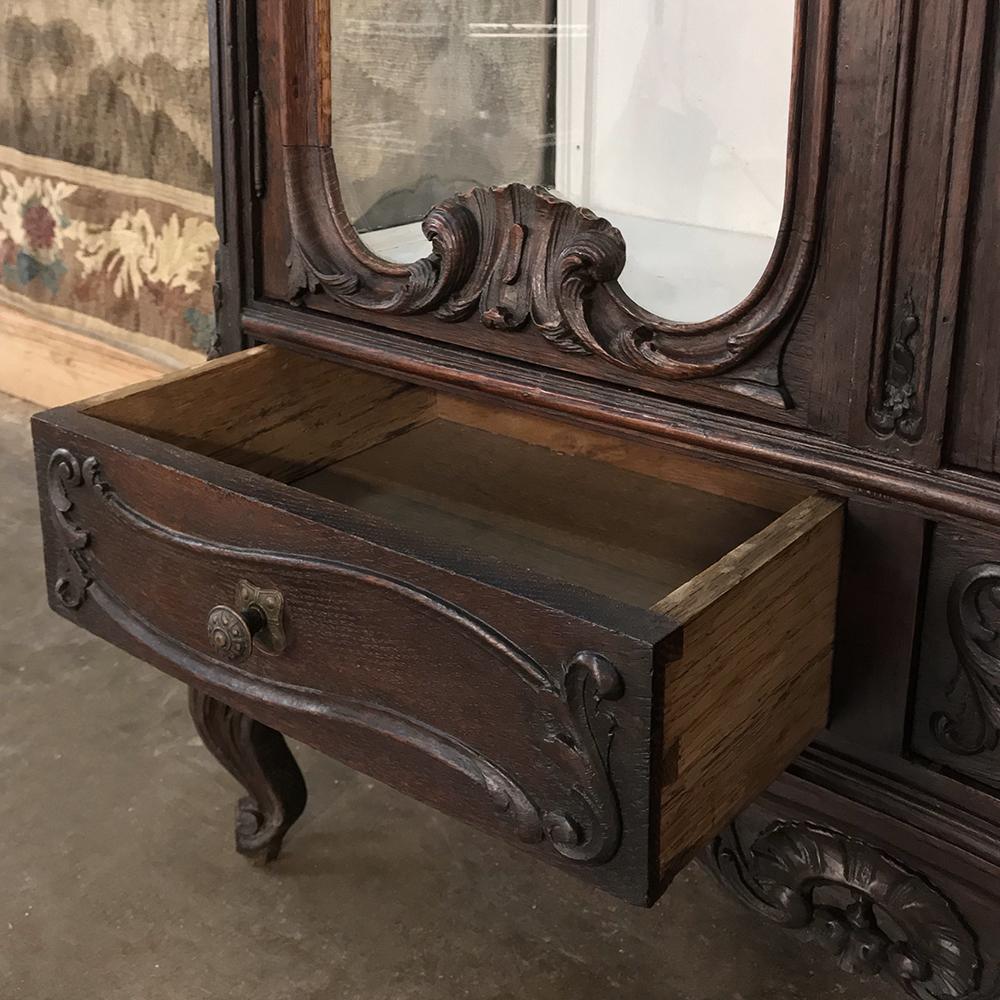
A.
x: 668, y: 117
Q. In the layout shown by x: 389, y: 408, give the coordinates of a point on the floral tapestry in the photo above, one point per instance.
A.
x: 105, y: 168
x: 133, y: 262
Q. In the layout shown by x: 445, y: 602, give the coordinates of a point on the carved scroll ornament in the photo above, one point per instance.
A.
x: 518, y: 256
x: 567, y: 800
x: 879, y: 917
x: 974, y: 624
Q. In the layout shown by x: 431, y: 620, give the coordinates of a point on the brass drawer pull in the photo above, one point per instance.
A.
x: 255, y: 623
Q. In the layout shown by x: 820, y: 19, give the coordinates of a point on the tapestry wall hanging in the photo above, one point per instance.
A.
x: 105, y: 168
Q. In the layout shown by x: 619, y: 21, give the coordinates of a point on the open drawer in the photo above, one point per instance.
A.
x: 591, y: 646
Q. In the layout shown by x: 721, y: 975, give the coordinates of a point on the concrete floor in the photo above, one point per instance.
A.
x: 119, y: 882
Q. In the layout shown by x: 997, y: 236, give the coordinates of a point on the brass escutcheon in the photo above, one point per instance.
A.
x: 254, y: 623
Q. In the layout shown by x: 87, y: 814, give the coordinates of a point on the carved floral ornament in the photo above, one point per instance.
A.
x: 892, y: 412
x: 523, y: 259
x: 877, y: 917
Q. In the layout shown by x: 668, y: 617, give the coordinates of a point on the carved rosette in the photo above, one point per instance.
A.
x: 974, y: 624
x: 571, y: 804
x: 878, y: 917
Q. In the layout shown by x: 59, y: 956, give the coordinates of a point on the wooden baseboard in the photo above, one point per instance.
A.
x: 49, y: 365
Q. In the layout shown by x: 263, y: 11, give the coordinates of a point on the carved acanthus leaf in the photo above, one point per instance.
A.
x: 974, y: 624
x: 879, y: 918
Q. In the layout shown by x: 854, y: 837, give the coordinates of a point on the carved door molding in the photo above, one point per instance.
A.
x: 524, y: 259
x: 941, y: 50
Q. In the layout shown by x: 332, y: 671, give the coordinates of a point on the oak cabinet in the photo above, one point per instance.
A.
x: 603, y: 449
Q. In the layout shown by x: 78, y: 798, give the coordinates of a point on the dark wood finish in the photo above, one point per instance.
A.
x: 386, y: 667
x: 937, y: 83
x: 259, y: 759
x: 975, y: 399
x: 879, y: 402
x: 864, y: 365
x: 844, y: 317
x: 521, y: 255
x: 878, y: 621
x: 832, y: 342
x: 931, y: 830
x: 957, y: 710
x: 580, y: 309
x: 782, y: 870
x: 228, y: 109
x: 494, y: 641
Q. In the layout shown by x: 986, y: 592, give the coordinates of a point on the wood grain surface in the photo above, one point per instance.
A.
x: 751, y: 688
x: 521, y: 561
x: 269, y: 411
x: 49, y: 365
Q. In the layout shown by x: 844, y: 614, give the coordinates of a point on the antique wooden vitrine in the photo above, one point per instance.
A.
x: 604, y: 447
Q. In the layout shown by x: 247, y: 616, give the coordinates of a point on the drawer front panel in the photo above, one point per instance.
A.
x: 409, y: 626
x: 957, y: 710
x: 522, y: 719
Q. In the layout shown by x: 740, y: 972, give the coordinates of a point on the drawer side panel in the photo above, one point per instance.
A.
x: 752, y: 686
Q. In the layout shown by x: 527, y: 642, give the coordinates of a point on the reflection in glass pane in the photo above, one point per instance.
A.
x: 668, y: 117
x: 435, y: 97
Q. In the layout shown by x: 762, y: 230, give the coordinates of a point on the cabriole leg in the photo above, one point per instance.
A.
x: 259, y: 759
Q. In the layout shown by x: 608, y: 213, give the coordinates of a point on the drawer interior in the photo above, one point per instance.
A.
x: 617, y: 517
